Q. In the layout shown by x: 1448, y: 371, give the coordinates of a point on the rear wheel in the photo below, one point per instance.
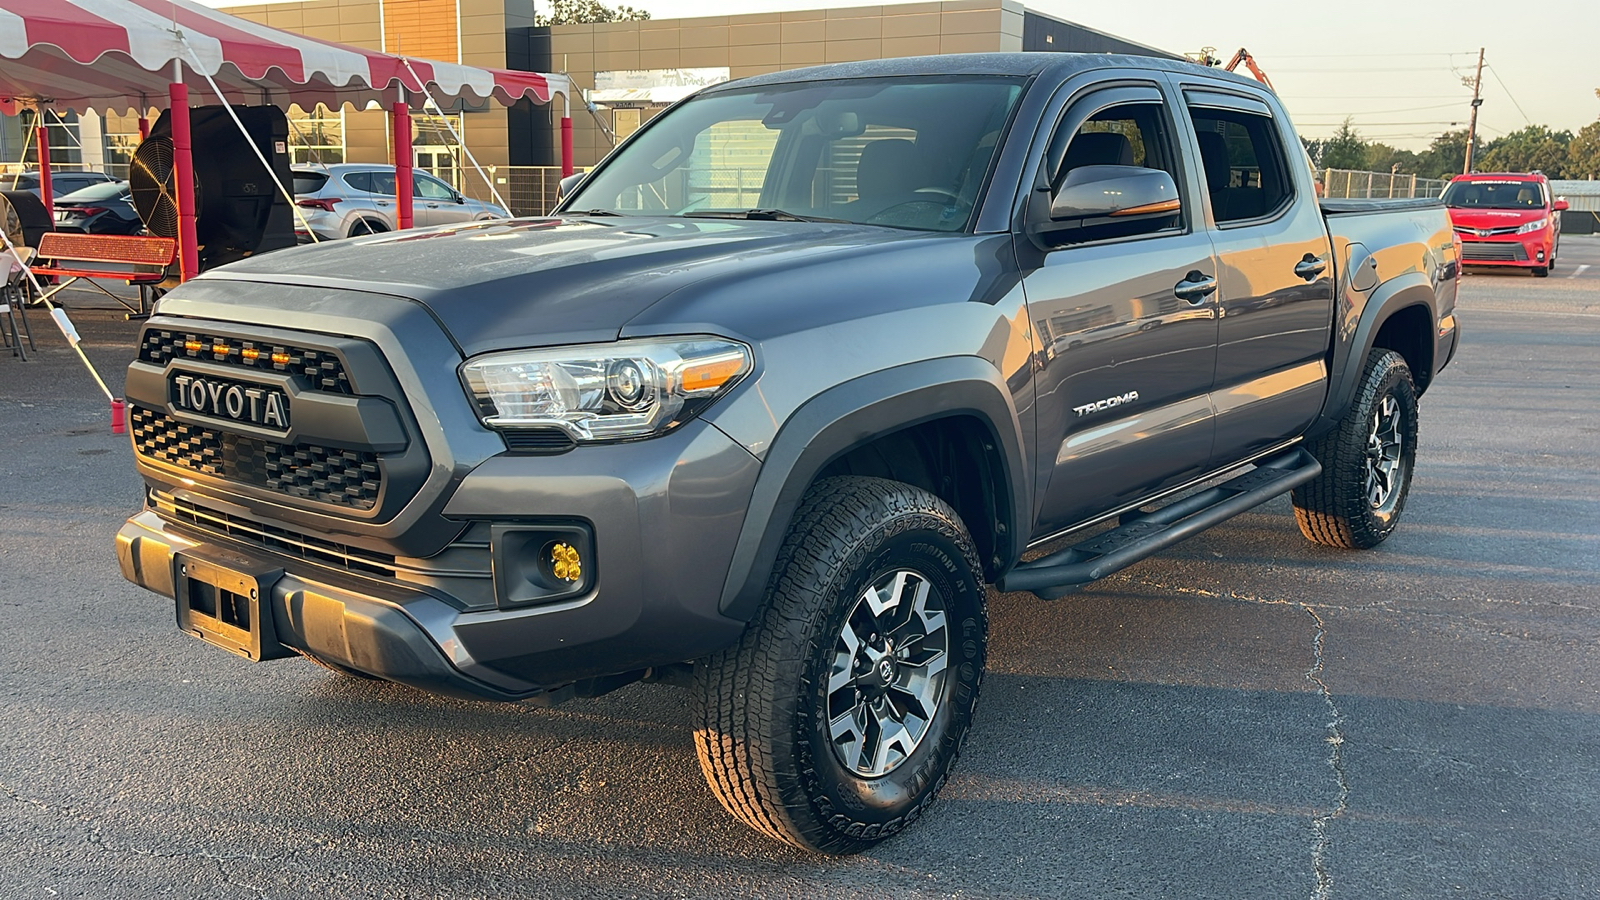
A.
x: 835, y: 720
x: 364, y: 227
x: 1366, y: 462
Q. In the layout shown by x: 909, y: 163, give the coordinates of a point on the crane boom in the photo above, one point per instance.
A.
x: 1243, y: 56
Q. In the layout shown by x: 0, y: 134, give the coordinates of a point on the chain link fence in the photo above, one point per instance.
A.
x: 1348, y: 184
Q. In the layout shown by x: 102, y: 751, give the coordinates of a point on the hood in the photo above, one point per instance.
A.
x: 1463, y: 217
x: 543, y: 282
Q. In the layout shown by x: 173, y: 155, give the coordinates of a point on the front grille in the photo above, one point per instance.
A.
x: 1473, y: 232
x: 1497, y: 251
x: 282, y: 540
x: 321, y: 369
x: 332, y: 475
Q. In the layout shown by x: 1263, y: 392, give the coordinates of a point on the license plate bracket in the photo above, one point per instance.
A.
x: 228, y: 606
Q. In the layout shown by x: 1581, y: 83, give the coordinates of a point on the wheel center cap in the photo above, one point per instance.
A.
x: 886, y: 669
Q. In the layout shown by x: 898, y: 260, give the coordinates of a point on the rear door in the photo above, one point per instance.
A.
x: 1124, y: 363
x: 1274, y: 268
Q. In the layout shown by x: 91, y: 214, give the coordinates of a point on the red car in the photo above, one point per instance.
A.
x: 1506, y: 219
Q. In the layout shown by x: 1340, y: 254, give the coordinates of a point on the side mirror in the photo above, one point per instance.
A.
x: 568, y: 185
x: 1092, y: 192
x: 459, y: 198
x: 1122, y: 199
x: 1560, y: 204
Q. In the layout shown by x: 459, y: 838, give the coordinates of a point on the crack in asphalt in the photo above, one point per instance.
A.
x: 1334, y: 728
x: 1335, y: 739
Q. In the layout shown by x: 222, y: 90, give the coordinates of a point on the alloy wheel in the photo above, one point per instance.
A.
x: 1385, y: 446
x: 888, y: 675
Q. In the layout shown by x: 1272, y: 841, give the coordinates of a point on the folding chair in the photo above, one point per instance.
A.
x: 14, y: 302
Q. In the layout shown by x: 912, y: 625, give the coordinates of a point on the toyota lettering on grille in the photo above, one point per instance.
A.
x: 224, y: 399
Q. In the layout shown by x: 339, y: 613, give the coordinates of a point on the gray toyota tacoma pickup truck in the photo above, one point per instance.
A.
x: 777, y: 392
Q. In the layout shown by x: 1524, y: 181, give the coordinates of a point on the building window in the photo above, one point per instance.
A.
x: 435, y: 150
x: 316, y: 137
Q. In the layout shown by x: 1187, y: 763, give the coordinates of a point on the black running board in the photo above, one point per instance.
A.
x: 1144, y: 534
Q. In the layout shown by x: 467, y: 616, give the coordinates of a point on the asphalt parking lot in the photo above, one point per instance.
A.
x: 1245, y: 716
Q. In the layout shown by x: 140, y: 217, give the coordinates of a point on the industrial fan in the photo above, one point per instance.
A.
x: 239, y: 211
x: 23, y: 218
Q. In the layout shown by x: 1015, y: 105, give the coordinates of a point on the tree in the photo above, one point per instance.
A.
x: 1445, y: 157
x: 1534, y: 148
x: 1583, y: 154
x: 1384, y: 158
x: 580, y: 12
x: 1345, y: 150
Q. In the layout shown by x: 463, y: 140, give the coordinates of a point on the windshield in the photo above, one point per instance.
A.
x: 1494, y: 195
x: 106, y: 190
x: 901, y: 152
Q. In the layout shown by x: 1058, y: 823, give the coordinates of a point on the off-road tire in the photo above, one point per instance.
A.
x: 1334, y: 509
x: 762, y: 731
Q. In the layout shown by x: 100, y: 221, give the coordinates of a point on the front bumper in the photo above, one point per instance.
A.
x: 1521, y: 251
x: 662, y: 518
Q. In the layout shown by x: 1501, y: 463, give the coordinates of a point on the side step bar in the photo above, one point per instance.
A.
x: 1144, y: 534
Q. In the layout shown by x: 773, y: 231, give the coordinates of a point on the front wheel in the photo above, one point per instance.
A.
x: 1366, y: 461
x: 1541, y: 271
x: 835, y: 720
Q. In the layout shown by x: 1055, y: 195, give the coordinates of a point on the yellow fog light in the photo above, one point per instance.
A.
x: 565, y: 563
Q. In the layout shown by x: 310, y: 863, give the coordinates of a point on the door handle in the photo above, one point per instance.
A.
x: 1195, y: 287
x: 1310, y: 267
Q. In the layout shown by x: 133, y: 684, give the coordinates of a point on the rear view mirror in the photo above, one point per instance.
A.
x: 1560, y: 204
x: 1094, y: 192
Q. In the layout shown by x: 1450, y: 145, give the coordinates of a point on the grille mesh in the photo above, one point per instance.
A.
x: 1497, y: 251
x: 330, y: 475
x: 322, y: 370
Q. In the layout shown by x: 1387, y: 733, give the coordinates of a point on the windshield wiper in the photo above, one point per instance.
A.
x: 591, y: 212
x: 760, y: 215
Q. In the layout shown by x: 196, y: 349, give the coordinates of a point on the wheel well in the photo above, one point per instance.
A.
x: 956, y: 459
x: 374, y: 225
x: 1409, y: 332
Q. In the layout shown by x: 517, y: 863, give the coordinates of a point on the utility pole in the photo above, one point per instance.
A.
x: 1472, y: 126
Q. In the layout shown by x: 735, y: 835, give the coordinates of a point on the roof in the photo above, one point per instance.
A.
x: 119, y: 54
x: 1501, y: 176
x: 1016, y: 64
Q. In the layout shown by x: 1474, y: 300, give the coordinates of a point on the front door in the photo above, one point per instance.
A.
x: 1274, y: 271
x: 1125, y: 362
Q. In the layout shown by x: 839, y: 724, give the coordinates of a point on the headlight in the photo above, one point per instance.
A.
x: 598, y: 392
x: 1535, y: 225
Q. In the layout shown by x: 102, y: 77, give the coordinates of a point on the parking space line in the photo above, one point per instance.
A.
x: 1578, y: 271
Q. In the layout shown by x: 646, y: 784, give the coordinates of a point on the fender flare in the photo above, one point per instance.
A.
x: 1348, y: 361
x: 855, y: 413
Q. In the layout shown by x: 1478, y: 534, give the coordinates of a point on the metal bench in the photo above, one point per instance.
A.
x: 139, y: 261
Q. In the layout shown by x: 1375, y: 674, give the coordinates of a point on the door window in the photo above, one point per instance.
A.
x: 1133, y: 134
x: 1243, y: 158
x: 426, y: 188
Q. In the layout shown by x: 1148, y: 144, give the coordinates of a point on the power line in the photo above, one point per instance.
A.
x: 1364, y: 70
x: 1508, y: 94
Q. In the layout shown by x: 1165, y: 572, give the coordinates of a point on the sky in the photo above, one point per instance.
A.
x: 1395, y: 67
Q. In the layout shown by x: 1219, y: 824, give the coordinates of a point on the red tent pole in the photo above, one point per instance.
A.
x: 183, y: 172
x: 144, y: 126
x: 401, y: 119
x: 47, y: 192
x: 566, y: 136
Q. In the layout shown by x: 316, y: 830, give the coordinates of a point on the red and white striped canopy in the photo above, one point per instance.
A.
x: 118, y: 54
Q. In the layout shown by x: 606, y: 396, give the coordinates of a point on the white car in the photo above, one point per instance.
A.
x: 351, y: 199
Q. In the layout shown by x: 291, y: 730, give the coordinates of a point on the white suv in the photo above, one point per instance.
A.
x: 351, y: 199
